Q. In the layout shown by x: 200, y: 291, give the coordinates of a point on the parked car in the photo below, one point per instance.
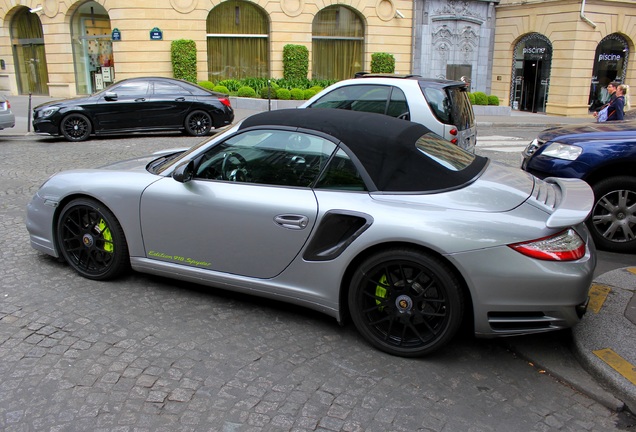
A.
x: 440, y: 105
x: 7, y: 118
x: 136, y: 105
x: 604, y: 155
x: 348, y: 213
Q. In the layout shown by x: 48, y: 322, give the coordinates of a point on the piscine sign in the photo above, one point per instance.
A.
x: 156, y: 34
x: 609, y: 57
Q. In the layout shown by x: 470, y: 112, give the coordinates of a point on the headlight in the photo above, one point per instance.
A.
x: 532, y: 147
x: 48, y: 112
x: 562, y: 151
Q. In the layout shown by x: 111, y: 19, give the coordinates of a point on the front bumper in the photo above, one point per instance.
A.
x: 39, y: 224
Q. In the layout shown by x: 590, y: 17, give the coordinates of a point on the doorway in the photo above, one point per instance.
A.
x: 531, y: 74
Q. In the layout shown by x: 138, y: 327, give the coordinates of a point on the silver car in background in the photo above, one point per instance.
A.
x: 356, y: 215
x: 7, y: 118
x: 441, y: 105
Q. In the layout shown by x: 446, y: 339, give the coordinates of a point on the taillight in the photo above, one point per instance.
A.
x: 564, y: 246
x: 453, y: 132
x: 8, y: 104
x: 225, y: 101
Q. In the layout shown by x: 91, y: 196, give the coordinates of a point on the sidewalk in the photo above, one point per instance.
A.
x: 604, y: 341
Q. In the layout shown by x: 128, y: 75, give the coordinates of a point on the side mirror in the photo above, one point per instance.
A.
x: 110, y: 96
x: 184, y: 172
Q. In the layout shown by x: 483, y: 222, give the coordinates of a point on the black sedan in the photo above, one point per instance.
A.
x: 136, y: 105
x: 604, y: 155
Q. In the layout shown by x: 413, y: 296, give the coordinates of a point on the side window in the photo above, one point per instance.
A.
x: 364, y: 97
x: 398, y: 106
x: 271, y: 157
x: 163, y: 88
x: 341, y: 174
x: 131, y: 88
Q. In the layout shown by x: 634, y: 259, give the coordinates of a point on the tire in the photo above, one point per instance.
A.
x: 76, y: 127
x: 198, y: 123
x: 612, y: 222
x: 406, y: 303
x: 91, y: 240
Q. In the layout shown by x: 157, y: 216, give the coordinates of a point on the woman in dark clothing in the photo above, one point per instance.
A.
x: 616, y: 107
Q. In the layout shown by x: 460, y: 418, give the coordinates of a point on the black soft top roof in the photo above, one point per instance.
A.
x: 384, y: 145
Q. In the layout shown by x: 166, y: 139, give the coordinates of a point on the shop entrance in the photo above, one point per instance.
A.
x: 610, y: 64
x: 531, y: 74
x: 92, y: 48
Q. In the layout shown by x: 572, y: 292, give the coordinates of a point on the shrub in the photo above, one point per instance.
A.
x: 283, y: 94
x: 295, y: 62
x: 231, y: 84
x: 296, y: 94
x: 308, y: 94
x: 183, y: 53
x: 206, y: 84
x: 246, y: 91
x: 266, y: 93
x: 481, y: 98
x: 471, y: 97
x: 220, y: 89
x: 382, y: 63
x: 493, y: 100
x: 316, y: 89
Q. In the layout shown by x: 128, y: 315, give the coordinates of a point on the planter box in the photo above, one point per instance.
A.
x: 491, y: 110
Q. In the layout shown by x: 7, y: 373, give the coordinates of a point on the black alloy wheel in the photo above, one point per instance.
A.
x: 198, y: 123
x: 76, y: 127
x: 406, y: 303
x: 612, y: 222
x: 91, y: 240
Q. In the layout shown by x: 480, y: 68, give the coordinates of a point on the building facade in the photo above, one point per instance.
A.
x: 64, y: 48
x: 557, y: 56
x: 454, y: 39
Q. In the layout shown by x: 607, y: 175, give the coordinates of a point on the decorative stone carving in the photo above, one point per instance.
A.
x: 292, y: 8
x: 51, y: 8
x: 183, y: 6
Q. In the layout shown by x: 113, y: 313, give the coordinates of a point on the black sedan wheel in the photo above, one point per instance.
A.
x: 613, y: 219
x: 406, y: 303
x: 76, y: 127
x: 91, y: 240
x: 198, y: 123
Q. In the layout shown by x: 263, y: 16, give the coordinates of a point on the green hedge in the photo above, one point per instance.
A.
x: 382, y: 62
x: 183, y: 54
x: 493, y: 100
x: 295, y: 62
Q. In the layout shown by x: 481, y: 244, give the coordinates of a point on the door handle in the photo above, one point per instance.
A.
x: 140, y: 100
x: 180, y: 99
x: 295, y: 222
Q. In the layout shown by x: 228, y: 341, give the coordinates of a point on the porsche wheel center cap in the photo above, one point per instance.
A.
x: 88, y: 240
x: 404, y: 303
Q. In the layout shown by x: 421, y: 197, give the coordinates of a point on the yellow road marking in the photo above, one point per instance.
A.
x: 632, y: 270
x: 598, y: 294
x: 618, y: 363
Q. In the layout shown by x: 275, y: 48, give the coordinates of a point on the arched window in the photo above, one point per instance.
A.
x: 28, y: 53
x: 237, y: 33
x: 610, y: 64
x: 338, y: 43
x: 92, y: 48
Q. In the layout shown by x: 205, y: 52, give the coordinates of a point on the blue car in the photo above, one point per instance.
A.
x: 604, y: 155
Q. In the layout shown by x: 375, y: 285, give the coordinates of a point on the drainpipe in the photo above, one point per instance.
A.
x: 583, y: 17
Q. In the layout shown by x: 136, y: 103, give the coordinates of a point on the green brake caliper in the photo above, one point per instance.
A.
x: 106, y: 235
x: 380, y: 291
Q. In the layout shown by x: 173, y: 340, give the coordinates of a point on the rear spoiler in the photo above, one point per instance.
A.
x: 575, y: 205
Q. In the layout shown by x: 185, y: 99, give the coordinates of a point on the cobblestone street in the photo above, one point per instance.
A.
x: 150, y: 354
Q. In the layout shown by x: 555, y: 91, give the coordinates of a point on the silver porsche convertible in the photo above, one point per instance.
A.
x: 357, y: 215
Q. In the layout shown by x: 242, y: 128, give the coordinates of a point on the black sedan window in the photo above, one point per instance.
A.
x: 131, y: 88
x: 271, y: 157
x: 165, y: 88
